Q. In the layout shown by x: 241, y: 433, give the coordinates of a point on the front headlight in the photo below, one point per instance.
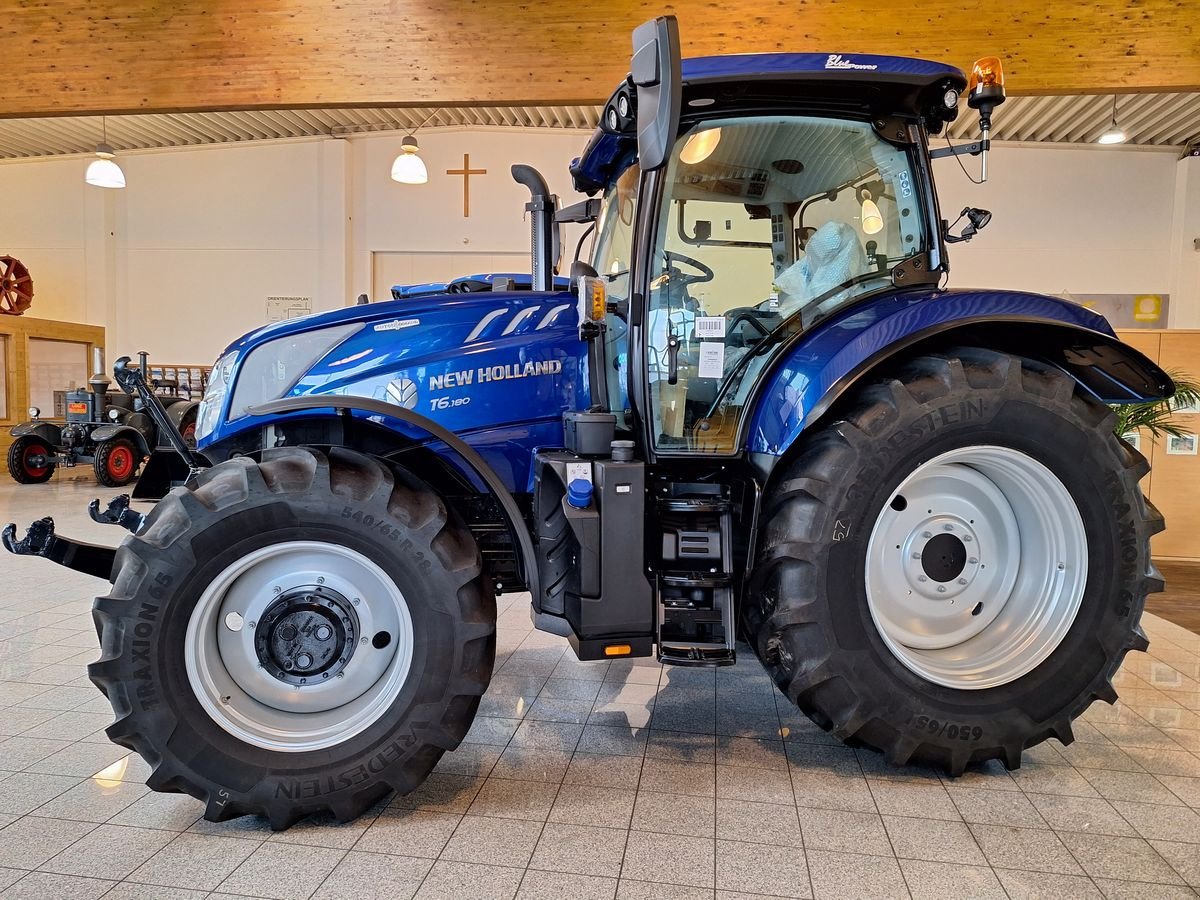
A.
x: 272, y: 369
x: 214, y: 396
x: 34, y: 412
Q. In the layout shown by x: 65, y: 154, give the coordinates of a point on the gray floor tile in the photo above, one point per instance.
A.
x: 847, y: 876
x: 45, y: 886
x: 759, y: 869
x: 646, y: 851
x: 442, y: 793
x: 1137, y: 787
x: 1088, y: 814
x: 579, y: 849
x: 751, y: 753
x: 538, y: 885
x: 1140, y: 890
x: 825, y: 791
x: 612, y: 740
x: 1022, y: 885
x: 1182, y: 858
x: 111, y: 851
x: 939, y: 880
x: 194, y: 861
x: 528, y: 800
x: 282, y: 871
x: 500, y: 842
x: 547, y: 735
x: 985, y: 807
x: 668, y: 776
x: 475, y: 760
x: 933, y: 840
x: 604, y: 770
x: 93, y: 801
x: 23, y: 792
x: 410, y: 832
x: 323, y: 830
x: 925, y: 800
x: 532, y: 764
x: 632, y: 889
x: 128, y: 890
x: 449, y: 880
x: 675, y: 814
x: 758, y: 784
x: 1105, y: 856
x: 1163, y: 823
x: 374, y: 876
x: 843, y: 831
x: 581, y: 804
x: 681, y: 746
x: 27, y: 843
x: 1033, y: 849
x: 172, y: 812
x: 759, y: 823
x: 82, y: 759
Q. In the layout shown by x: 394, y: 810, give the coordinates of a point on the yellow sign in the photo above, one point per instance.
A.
x: 1147, y: 308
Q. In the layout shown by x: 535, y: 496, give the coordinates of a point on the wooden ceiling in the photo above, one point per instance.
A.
x: 64, y: 57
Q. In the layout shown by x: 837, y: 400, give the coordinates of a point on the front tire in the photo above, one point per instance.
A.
x: 954, y: 569
x: 302, y: 634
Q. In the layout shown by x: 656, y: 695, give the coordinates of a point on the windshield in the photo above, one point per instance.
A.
x: 764, y: 220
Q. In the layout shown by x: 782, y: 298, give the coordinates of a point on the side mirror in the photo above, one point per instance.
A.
x: 656, y: 73
x: 977, y: 220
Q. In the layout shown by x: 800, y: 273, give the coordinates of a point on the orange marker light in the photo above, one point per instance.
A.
x: 986, y: 83
x: 618, y: 650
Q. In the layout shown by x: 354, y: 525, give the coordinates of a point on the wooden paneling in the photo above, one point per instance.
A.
x: 16, y: 332
x: 1174, y: 483
x: 77, y: 56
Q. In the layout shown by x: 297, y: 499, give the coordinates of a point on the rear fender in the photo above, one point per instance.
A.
x: 180, y: 410
x: 47, y: 431
x: 108, y: 432
x: 808, y: 379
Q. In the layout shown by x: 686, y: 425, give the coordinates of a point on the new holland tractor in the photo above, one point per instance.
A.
x: 755, y: 416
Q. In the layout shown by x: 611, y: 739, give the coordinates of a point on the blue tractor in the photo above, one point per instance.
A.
x: 754, y: 420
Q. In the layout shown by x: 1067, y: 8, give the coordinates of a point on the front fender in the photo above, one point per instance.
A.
x: 821, y: 366
x: 108, y: 432
x: 47, y: 431
x: 178, y: 411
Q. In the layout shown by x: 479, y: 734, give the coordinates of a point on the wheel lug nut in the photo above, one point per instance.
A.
x: 922, y: 578
x: 941, y: 589
x: 916, y: 556
x: 967, y: 538
x: 321, y: 579
x: 927, y: 534
x: 973, y: 561
x: 363, y: 641
x: 948, y: 527
x: 356, y: 601
x: 962, y: 581
x: 252, y: 625
x: 277, y: 589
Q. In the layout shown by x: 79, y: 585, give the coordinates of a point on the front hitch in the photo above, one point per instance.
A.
x: 133, y: 382
x: 40, y: 540
x: 117, y: 513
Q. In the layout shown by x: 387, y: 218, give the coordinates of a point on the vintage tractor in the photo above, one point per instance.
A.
x: 110, y: 429
x: 757, y: 417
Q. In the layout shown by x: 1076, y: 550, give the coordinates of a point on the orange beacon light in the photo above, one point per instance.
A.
x: 985, y: 86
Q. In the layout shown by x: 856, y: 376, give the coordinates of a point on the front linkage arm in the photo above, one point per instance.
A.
x: 40, y: 540
x: 132, y: 382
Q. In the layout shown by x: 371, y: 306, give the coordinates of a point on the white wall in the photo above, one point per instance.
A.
x: 182, y: 260
x: 1088, y: 221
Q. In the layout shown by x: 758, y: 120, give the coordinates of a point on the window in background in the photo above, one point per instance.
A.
x: 55, y: 366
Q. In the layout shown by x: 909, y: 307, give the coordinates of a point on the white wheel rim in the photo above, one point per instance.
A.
x: 976, y: 567
x: 225, y: 665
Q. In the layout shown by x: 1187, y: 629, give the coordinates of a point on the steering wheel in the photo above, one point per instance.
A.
x: 706, y: 274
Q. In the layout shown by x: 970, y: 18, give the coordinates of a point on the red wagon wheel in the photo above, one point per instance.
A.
x: 16, y: 286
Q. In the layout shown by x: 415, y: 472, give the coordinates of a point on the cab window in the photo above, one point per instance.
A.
x: 767, y: 222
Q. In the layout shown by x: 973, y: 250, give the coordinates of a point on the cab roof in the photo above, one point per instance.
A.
x: 853, y: 84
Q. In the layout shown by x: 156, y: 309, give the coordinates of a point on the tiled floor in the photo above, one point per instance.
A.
x: 595, y: 781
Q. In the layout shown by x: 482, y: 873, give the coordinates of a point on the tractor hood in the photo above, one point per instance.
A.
x: 470, y: 362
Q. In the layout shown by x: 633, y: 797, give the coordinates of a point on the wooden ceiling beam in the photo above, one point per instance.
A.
x: 73, y: 57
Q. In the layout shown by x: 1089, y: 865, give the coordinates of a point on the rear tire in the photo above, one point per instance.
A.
x: 116, y: 462
x: 880, y: 663
x: 19, y: 454
x: 203, y: 694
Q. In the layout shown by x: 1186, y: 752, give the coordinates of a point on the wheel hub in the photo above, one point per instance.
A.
x: 309, y: 633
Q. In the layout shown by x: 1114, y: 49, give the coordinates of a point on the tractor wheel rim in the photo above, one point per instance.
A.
x: 120, y: 459
x: 976, y: 567
x: 335, y: 655
x: 31, y: 451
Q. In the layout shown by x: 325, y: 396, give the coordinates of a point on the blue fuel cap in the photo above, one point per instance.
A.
x: 579, y: 493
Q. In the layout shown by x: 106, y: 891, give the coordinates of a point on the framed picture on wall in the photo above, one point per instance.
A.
x: 1181, y: 445
x: 1133, y: 439
x: 1185, y: 409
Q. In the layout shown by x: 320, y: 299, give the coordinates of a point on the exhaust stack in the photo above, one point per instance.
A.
x: 544, y: 237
